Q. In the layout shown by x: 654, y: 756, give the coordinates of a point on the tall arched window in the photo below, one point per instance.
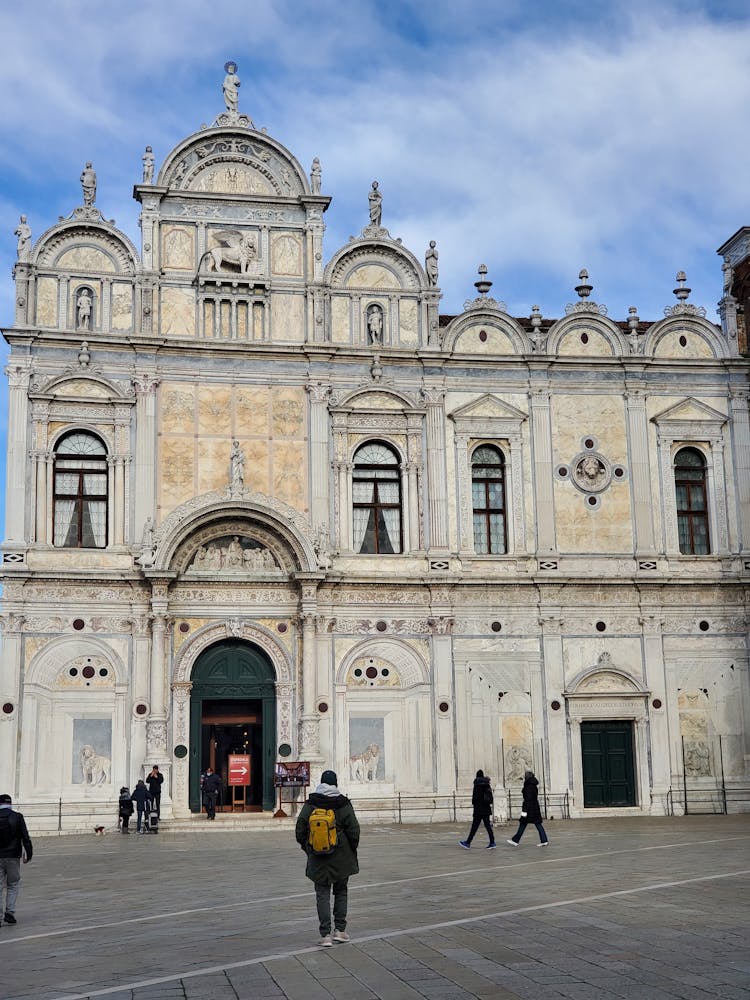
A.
x: 488, y: 500
x: 692, y: 505
x: 80, y: 492
x: 376, y: 492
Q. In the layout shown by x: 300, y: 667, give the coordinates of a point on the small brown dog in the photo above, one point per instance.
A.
x: 99, y: 831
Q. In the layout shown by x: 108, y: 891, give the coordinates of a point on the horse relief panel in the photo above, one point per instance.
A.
x: 366, y: 746
x: 92, y: 752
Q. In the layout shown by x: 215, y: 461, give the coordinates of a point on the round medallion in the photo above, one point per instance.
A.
x: 285, y: 750
x: 180, y: 751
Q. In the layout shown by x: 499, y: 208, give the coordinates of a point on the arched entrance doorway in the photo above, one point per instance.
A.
x: 233, y: 711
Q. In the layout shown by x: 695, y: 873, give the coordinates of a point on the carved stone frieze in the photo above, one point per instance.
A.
x: 393, y: 626
x: 156, y: 738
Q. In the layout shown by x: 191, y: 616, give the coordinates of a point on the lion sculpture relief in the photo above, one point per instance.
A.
x: 364, y: 766
x: 235, y: 248
x: 96, y: 767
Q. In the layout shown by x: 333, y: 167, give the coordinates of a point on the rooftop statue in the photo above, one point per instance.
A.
x: 431, y: 263
x: 148, y: 166
x: 315, y: 175
x: 231, y: 87
x: 375, y: 199
x: 23, y: 232
x: 88, y: 182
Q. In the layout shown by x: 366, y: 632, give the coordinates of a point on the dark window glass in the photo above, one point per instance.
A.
x: 488, y: 500
x: 80, y: 492
x: 376, y: 493
x: 692, y: 506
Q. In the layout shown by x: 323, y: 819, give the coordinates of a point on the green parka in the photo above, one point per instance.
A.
x: 341, y: 863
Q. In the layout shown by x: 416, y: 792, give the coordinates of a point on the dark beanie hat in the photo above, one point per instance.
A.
x: 480, y: 773
x: 329, y: 778
x: 5, y: 799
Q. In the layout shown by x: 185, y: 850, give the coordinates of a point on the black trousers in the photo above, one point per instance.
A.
x: 210, y: 799
x: 475, y: 826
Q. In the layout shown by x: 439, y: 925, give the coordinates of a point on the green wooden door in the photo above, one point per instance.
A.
x: 608, y: 768
x: 241, y: 672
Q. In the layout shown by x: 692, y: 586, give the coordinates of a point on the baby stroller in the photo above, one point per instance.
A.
x: 150, y: 818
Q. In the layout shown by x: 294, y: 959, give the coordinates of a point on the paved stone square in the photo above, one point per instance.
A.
x: 652, y: 909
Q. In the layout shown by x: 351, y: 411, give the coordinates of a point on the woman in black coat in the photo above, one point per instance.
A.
x: 481, y: 801
x: 530, y: 811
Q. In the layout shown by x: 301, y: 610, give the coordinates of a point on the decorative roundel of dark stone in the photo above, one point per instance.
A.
x: 79, y: 624
x: 443, y: 706
x: 601, y: 627
x: 8, y: 707
x: 385, y: 672
x: 73, y: 671
x: 180, y: 751
x: 483, y: 335
x: 496, y: 626
x: 619, y: 472
x: 381, y: 626
x: 88, y: 672
x: 285, y: 750
x: 141, y: 709
x: 184, y: 627
x: 584, y: 338
x: 555, y: 705
x: 371, y: 672
x: 703, y: 626
x: 562, y: 471
x: 592, y: 501
x: 588, y: 443
x: 103, y: 672
x: 656, y: 703
x: 683, y: 341
x: 282, y: 627
x: 323, y: 707
x: 358, y: 671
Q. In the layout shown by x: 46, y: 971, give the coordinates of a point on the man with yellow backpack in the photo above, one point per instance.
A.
x: 328, y: 832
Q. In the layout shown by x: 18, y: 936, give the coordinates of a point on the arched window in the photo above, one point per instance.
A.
x: 376, y: 491
x: 80, y: 492
x: 692, y: 506
x: 488, y: 500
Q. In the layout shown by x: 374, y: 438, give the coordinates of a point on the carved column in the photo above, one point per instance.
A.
x: 576, y: 765
x: 18, y: 411
x: 542, y: 452
x: 463, y: 490
x: 640, y: 473
x: 671, y: 542
x: 642, y: 762
x: 319, y: 458
x: 718, y: 490
x: 156, y: 730
x: 552, y: 687
x: 443, y: 689
x: 145, y: 384
x: 112, y: 505
x: 656, y: 681
x: 10, y: 692
x: 436, y: 469
x: 519, y: 538
x: 181, y: 733
x: 309, y: 727
x: 738, y: 402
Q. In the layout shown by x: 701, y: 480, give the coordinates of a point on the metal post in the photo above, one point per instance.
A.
x: 544, y: 780
x: 59, y: 815
x: 723, y: 783
x: 502, y: 759
x: 455, y: 815
x: 684, y: 775
x: 399, y: 807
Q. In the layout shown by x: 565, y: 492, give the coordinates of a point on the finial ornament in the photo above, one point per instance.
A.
x: 633, y: 338
x: 681, y: 293
x: 537, y: 336
x: 483, y: 285
x: 584, y: 289
x: 88, y: 183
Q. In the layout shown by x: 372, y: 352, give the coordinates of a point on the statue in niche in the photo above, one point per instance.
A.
x: 375, y: 199
x: 23, y: 232
x: 697, y: 759
x: 148, y: 165
x: 375, y: 325
x: 431, y: 264
x: 322, y: 546
x: 95, y: 766
x: 518, y: 762
x: 237, y: 463
x: 364, y: 766
x: 84, y: 303
x: 315, y: 176
x: 231, y: 87
x: 88, y: 183
x: 590, y: 473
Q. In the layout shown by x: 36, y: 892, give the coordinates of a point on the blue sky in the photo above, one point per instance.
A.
x: 536, y: 138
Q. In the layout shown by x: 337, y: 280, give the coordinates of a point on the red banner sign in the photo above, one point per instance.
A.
x: 239, y: 769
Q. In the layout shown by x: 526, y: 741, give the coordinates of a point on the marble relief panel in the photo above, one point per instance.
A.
x: 340, y: 332
x: 574, y: 416
x: 288, y: 407
x: 289, y: 474
x: 91, y: 758
x: 177, y: 471
x: 231, y: 178
x: 213, y: 465
x: 372, y: 276
x: 85, y: 259
x: 607, y: 528
x: 178, y: 248
x: 286, y: 254
x: 178, y: 312
x: 122, y: 306
x: 214, y: 410
x: 287, y: 317
x: 256, y: 465
x: 251, y: 411
x: 46, y: 301
x: 367, y: 749
x: 408, y: 321
x: 178, y: 407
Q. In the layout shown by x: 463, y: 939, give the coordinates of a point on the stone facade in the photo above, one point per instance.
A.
x: 225, y: 381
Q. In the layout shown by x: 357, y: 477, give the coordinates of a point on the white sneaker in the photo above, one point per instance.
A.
x: 340, y: 936
x: 544, y: 843
x: 512, y: 842
x: 325, y: 941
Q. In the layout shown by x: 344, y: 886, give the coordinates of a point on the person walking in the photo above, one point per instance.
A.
x: 15, y: 844
x: 481, y: 801
x: 124, y: 809
x: 211, y: 788
x: 141, y: 798
x: 530, y: 811
x: 154, y: 781
x: 327, y: 830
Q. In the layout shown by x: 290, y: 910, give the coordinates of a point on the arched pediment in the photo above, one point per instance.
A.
x: 403, y: 660
x: 262, y: 523
x: 369, y: 399
x: 233, y: 161
x: 586, y: 335
x: 82, y: 385
x: 86, y: 249
x: 604, y: 678
x: 480, y: 331
x: 685, y: 337
x: 375, y: 265
x: 47, y: 668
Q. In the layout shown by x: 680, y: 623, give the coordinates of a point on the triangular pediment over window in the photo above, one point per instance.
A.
x: 488, y: 406
x: 690, y: 418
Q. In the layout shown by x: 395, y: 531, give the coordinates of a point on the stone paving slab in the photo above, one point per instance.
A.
x: 654, y: 909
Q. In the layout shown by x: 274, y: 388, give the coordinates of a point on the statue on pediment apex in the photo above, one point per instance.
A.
x: 88, y: 183
x: 375, y: 199
x: 23, y: 232
x: 231, y: 87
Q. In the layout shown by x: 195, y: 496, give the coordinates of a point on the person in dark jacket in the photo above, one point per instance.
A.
x: 211, y: 789
x: 530, y: 811
x: 481, y: 801
x: 154, y: 781
x: 124, y: 809
x: 330, y: 871
x: 142, y: 801
x: 14, y: 843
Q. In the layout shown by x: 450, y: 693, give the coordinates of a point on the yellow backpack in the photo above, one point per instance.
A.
x: 322, y: 837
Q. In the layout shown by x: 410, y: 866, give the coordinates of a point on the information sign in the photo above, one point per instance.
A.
x: 290, y: 774
x: 239, y: 769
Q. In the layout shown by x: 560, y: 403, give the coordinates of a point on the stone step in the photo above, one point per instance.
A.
x: 228, y: 823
